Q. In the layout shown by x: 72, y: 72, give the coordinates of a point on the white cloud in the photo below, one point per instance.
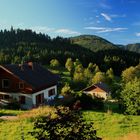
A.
x: 107, y: 17
x: 42, y: 29
x: 95, y: 28
x: 21, y: 24
x: 112, y: 30
x: 138, y: 34
x: 105, y: 29
x: 67, y: 31
x: 46, y: 30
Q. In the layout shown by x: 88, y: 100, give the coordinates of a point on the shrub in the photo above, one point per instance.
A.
x: 54, y: 63
x: 13, y: 105
x: 89, y: 102
x: 67, y: 125
x: 66, y: 90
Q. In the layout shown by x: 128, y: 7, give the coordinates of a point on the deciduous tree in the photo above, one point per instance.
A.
x: 99, y: 77
x: 131, y: 97
x: 70, y: 66
x: 54, y: 63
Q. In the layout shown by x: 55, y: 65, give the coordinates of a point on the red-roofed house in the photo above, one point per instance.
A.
x: 30, y: 84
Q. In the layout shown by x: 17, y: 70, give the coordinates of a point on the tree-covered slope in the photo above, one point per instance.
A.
x: 133, y: 47
x: 93, y: 42
x: 17, y: 46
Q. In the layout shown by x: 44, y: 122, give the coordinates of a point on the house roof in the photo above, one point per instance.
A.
x: 33, y: 74
x: 100, y: 85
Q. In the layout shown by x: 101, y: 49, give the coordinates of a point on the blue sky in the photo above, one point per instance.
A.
x: 115, y: 20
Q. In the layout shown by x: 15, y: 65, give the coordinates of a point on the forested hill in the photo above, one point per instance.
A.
x: 17, y: 46
x: 94, y: 43
x: 10, y: 38
x: 133, y: 47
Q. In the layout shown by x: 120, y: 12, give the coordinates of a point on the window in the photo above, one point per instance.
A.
x: 5, y: 83
x: 39, y: 98
x: 51, y: 92
x: 22, y: 99
x: 6, y: 96
x: 21, y: 85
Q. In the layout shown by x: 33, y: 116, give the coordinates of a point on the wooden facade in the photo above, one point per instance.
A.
x: 99, y: 90
x: 14, y: 83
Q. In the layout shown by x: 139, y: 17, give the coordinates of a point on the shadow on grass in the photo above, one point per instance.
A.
x: 109, y: 108
x: 112, y: 106
x: 8, y: 114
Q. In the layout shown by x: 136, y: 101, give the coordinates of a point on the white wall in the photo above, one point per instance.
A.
x: 30, y: 99
x: 16, y: 95
x: 97, y: 94
x: 45, y: 91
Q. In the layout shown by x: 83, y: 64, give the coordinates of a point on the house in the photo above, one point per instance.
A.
x: 100, y: 90
x: 30, y: 84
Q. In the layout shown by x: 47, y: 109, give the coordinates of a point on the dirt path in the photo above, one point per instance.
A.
x: 9, y: 117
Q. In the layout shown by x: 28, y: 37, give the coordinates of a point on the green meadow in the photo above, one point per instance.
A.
x: 108, y: 125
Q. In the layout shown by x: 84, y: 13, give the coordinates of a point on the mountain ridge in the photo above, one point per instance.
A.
x: 135, y: 47
x: 97, y: 43
x: 93, y: 42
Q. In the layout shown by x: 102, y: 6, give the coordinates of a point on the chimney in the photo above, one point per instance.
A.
x: 30, y: 64
x: 21, y: 67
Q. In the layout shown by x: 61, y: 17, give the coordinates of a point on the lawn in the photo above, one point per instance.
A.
x: 65, y: 75
x: 7, y: 112
x: 15, y: 130
x: 113, y: 125
x: 108, y: 126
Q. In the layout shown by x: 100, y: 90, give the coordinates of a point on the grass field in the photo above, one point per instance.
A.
x: 14, y: 130
x: 109, y: 126
x: 10, y: 112
x: 113, y: 125
x: 19, y: 128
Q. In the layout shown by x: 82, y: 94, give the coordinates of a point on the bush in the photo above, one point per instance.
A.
x: 65, y: 125
x: 88, y: 102
x: 54, y: 63
x: 13, y: 105
x: 66, y: 90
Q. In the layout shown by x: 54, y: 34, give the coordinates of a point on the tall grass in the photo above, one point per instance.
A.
x: 40, y: 111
